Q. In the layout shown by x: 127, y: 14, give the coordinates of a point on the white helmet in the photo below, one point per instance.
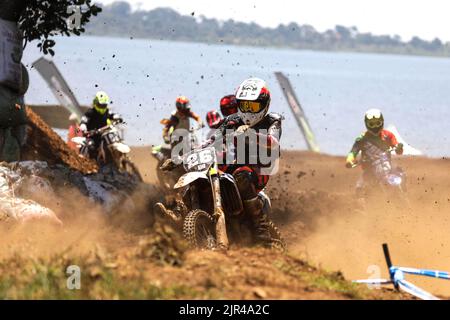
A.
x: 253, y: 99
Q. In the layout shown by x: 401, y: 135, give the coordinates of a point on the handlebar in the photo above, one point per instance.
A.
x: 196, y: 128
x: 389, y: 151
x: 105, y: 128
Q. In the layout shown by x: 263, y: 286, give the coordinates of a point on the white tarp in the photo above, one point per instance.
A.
x: 408, y: 150
x: 17, y: 208
x: 10, y: 55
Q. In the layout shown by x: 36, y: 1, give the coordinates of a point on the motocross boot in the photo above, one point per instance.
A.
x: 261, y: 223
x: 167, y: 213
x: 168, y: 165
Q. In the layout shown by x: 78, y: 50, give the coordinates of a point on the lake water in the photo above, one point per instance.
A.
x: 143, y: 78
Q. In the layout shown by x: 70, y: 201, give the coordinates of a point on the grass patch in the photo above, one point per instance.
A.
x: 48, y: 280
x: 322, y: 280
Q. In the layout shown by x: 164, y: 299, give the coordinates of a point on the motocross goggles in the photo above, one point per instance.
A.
x: 101, y: 108
x: 101, y: 105
x: 183, y: 105
x: 374, y: 123
x: 251, y: 106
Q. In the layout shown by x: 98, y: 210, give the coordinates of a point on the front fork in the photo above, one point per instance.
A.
x: 219, y: 214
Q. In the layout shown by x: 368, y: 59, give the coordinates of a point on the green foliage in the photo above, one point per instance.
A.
x: 324, y: 281
x: 46, y: 279
x: 117, y: 19
x: 42, y: 19
x: 166, y: 246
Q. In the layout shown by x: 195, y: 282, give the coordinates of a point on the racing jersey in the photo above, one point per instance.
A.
x: 266, y: 134
x: 373, y: 147
x: 94, y: 120
x: 179, y: 120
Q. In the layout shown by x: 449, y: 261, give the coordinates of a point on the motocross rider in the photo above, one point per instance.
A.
x: 74, y: 131
x: 228, y: 105
x: 97, y: 117
x: 213, y: 119
x: 180, y: 118
x: 253, y: 98
x: 253, y: 102
x: 372, y: 144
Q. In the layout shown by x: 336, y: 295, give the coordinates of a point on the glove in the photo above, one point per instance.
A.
x: 166, y: 138
x: 351, y: 164
x: 83, y: 128
x: 242, y: 129
x: 117, y: 117
x: 168, y: 165
x: 201, y: 124
x: 399, y: 148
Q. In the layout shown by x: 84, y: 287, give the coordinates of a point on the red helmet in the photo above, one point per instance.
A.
x: 213, y: 119
x: 183, y: 104
x: 228, y: 105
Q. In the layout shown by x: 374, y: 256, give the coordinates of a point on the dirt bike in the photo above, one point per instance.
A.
x: 168, y: 179
x: 382, y: 177
x: 112, y: 149
x: 213, y: 210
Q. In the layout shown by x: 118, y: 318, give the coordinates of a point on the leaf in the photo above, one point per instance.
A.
x: 44, y: 18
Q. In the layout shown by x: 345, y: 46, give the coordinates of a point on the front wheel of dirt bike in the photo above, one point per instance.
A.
x: 199, y: 230
x: 131, y: 168
x: 403, y: 199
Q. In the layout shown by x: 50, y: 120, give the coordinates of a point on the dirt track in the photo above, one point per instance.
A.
x: 314, y: 203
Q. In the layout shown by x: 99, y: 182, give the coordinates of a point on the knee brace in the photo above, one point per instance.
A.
x: 245, y: 183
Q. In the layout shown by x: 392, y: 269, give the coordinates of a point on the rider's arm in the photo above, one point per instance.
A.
x: 169, y: 127
x: 353, y: 154
x: 84, y: 123
x: 394, y: 143
x: 196, y: 117
x: 272, y: 138
x: 115, y: 116
x: 229, y: 123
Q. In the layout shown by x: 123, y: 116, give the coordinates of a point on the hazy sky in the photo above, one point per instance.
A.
x: 425, y: 18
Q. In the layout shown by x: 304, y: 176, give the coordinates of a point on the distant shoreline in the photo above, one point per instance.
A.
x: 249, y: 46
x: 119, y: 20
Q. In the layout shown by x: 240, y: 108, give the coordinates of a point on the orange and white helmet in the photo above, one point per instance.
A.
x: 183, y: 104
x: 253, y: 99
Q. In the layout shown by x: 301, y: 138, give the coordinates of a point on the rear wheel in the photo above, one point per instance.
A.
x: 198, y: 230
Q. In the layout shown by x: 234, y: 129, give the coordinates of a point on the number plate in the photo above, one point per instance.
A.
x: 199, y: 160
x: 111, y: 138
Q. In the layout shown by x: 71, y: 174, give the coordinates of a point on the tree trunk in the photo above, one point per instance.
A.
x: 12, y: 9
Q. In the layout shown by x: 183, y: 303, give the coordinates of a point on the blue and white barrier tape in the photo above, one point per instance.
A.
x: 397, y: 275
x: 424, y: 272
